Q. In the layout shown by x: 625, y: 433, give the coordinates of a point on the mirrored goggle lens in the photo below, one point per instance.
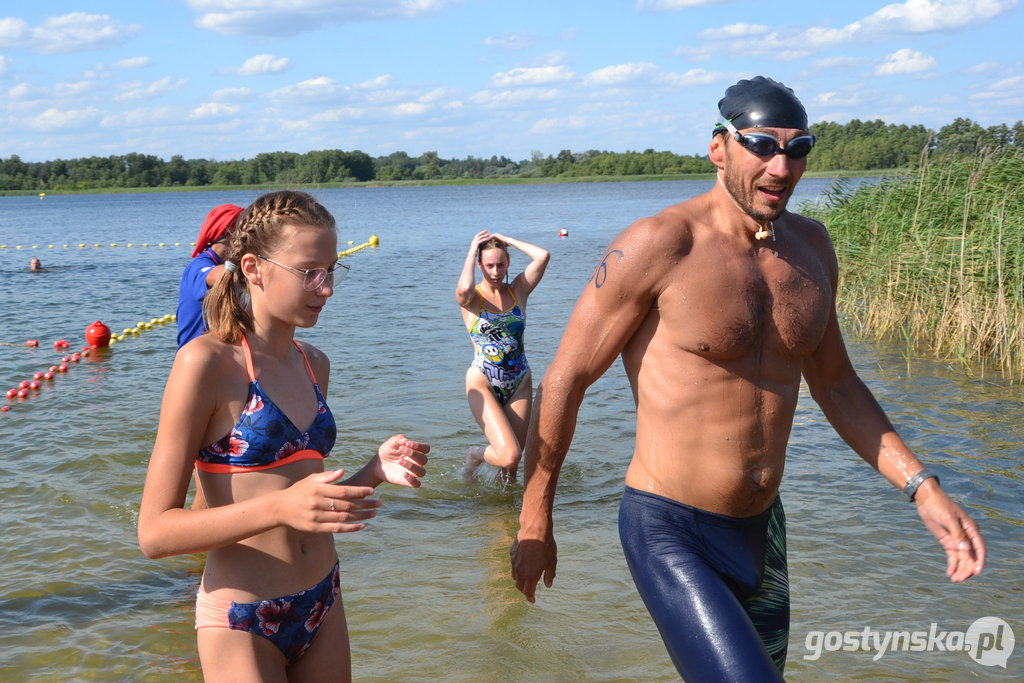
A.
x: 766, y: 145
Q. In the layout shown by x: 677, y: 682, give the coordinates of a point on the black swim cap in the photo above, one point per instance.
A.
x: 762, y: 103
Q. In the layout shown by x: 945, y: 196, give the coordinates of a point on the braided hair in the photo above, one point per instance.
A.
x: 258, y: 230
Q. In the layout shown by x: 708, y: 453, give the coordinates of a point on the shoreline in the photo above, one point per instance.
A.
x: 439, y: 182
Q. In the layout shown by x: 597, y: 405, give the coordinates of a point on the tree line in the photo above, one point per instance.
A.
x: 854, y: 146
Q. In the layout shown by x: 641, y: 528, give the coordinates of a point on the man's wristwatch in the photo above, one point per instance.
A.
x: 911, y: 487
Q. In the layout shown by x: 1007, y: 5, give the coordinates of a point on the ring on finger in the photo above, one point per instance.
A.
x: 332, y: 506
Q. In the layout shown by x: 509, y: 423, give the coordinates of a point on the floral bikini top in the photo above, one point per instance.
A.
x: 264, y: 437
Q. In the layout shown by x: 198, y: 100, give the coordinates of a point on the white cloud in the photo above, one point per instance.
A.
x: 73, y: 32
x: 131, y: 63
x: 734, y: 31
x: 5, y: 65
x: 906, y: 18
x: 555, y: 125
x: 662, y: 5
x: 513, y: 43
x: 693, y: 77
x: 411, y: 109
x: 646, y: 73
x: 264, y: 64
x: 531, y: 76
x: 143, y: 91
x: 55, y: 119
x: 142, y: 118
x: 836, y: 62
x: 24, y: 91
x: 14, y: 32
x: 1004, y: 89
x: 926, y: 16
x: 275, y: 18
x: 338, y: 114
x: 211, y: 110
x: 834, y: 99
x: 313, y: 88
x: 433, y: 95
x: 69, y: 90
x: 620, y: 74
x: 514, y: 98
x: 228, y: 94
x: 905, y: 61
x: 375, y: 83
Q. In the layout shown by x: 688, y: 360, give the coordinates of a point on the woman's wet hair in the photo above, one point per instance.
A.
x: 258, y: 231
x: 491, y: 243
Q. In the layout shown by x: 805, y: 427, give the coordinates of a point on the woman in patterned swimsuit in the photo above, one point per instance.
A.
x: 244, y: 405
x: 498, y: 383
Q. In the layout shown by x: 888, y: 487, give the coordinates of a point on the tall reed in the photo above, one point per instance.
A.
x: 937, y: 259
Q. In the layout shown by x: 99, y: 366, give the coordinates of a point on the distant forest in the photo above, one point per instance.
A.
x: 854, y: 146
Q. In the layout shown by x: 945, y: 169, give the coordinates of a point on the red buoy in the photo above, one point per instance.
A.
x: 564, y: 232
x: 4, y: 408
x: 23, y: 383
x: 32, y: 342
x: 62, y: 367
x: 98, y: 335
x: 12, y: 393
x: 60, y: 344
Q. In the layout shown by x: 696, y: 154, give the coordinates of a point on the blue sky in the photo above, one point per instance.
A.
x: 224, y: 79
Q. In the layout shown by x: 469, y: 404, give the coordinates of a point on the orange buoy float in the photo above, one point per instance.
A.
x: 97, y: 335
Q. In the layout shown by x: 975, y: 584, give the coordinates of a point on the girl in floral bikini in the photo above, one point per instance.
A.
x: 244, y: 405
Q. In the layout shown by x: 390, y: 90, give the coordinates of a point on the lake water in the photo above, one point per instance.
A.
x: 427, y: 587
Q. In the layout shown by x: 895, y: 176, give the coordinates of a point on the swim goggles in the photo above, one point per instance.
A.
x: 314, y: 278
x: 763, y: 145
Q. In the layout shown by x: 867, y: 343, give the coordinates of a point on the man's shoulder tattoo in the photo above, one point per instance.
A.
x: 601, y: 272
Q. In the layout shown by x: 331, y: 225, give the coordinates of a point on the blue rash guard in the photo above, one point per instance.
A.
x: 191, y: 293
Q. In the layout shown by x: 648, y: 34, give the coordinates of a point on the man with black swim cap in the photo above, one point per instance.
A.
x: 719, y: 306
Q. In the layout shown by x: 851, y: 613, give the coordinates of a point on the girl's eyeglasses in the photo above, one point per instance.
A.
x: 763, y: 145
x: 314, y: 278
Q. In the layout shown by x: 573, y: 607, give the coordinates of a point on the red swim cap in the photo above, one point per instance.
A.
x: 220, y: 221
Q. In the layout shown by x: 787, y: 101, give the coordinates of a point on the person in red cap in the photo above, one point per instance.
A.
x: 204, y: 269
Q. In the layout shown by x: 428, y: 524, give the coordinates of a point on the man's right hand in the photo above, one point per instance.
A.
x: 532, y: 558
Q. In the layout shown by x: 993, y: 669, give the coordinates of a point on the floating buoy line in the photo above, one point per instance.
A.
x: 372, y: 242
x: 98, y: 336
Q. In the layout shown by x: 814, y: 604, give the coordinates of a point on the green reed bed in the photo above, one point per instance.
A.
x: 937, y: 259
